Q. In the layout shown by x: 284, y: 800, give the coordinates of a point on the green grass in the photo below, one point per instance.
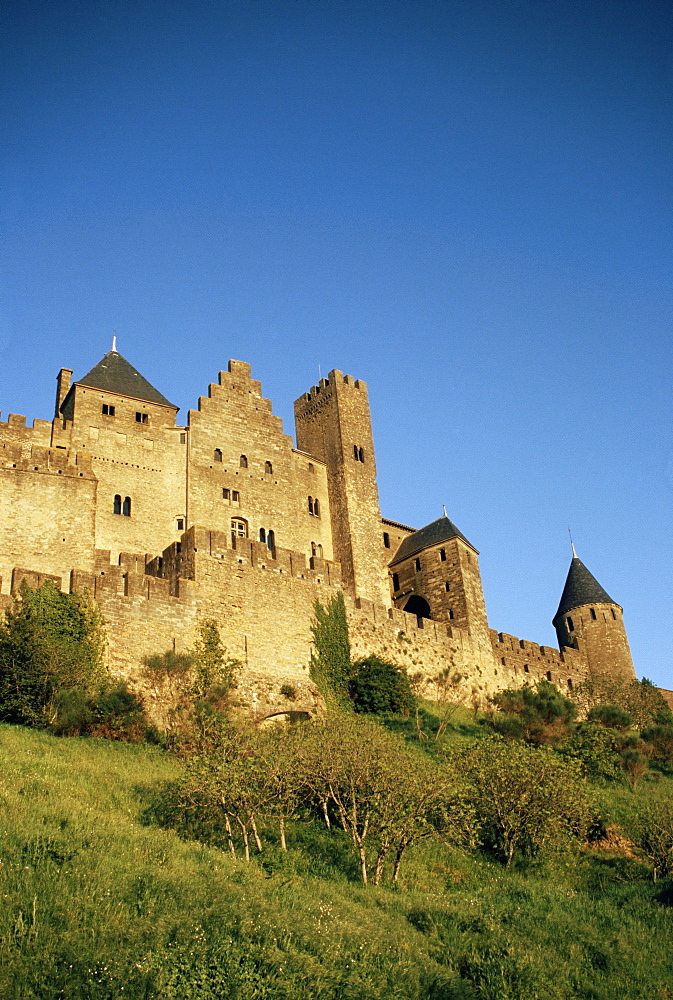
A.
x: 98, y: 905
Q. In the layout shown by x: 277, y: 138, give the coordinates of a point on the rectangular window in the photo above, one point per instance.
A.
x: 107, y: 410
x: 142, y: 418
x: 235, y: 496
x: 226, y: 494
x: 386, y: 539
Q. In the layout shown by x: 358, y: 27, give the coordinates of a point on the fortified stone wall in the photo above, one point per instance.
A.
x: 526, y: 662
x: 48, y: 503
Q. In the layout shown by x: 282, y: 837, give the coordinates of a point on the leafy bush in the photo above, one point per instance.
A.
x: 652, y: 832
x: 376, y: 686
x: 596, y: 748
x: 539, y: 714
x: 611, y: 716
x: 113, y: 711
x: 50, y: 643
x: 658, y: 742
x: 641, y: 699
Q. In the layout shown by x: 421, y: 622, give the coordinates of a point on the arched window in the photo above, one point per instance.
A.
x: 217, y: 455
x: 311, y: 467
x: 571, y: 627
x: 268, y: 468
x: 126, y: 507
x: 548, y: 675
x: 243, y: 462
x: 442, y: 555
x: 239, y: 528
x: 262, y: 535
x: 355, y: 452
x: 361, y: 454
x: 117, y: 506
x: 417, y: 565
x: 570, y: 683
x: 271, y: 539
x: 310, y: 505
x: 592, y: 612
x: 316, y: 507
x: 386, y: 540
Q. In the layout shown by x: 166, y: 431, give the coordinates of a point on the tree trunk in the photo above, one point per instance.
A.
x: 246, y: 842
x: 281, y: 824
x: 380, y: 860
x: 253, y: 825
x: 398, y: 860
x: 363, y: 861
x: 230, y: 836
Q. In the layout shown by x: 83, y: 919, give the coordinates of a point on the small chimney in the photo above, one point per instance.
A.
x: 62, y: 386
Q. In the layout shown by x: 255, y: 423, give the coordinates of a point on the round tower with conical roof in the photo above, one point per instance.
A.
x: 589, y: 620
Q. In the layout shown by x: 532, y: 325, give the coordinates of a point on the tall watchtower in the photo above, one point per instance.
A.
x: 333, y: 423
x: 588, y: 619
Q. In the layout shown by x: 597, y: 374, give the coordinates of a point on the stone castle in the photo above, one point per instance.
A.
x: 225, y: 518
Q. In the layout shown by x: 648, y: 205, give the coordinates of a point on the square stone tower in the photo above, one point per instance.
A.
x: 334, y: 424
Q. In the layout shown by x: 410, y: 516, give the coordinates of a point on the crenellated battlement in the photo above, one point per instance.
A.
x: 526, y: 660
x: 189, y: 559
x: 27, y: 455
x: 14, y: 429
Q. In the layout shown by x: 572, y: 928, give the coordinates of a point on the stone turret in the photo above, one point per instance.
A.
x: 588, y: 619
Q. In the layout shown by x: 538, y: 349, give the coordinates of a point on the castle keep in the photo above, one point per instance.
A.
x: 224, y: 517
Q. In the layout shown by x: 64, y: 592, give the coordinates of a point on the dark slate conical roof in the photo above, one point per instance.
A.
x: 437, y: 531
x: 581, y: 588
x: 113, y: 373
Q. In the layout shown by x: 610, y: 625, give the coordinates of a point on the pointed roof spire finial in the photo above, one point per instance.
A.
x: 572, y: 546
x: 444, y: 509
x: 114, y: 342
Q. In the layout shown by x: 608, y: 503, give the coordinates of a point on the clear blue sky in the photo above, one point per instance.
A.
x: 467, y: 204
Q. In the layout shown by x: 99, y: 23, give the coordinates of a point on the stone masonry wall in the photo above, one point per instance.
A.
x: 599, y: 629
x: 144, y: 461
x: 242, y: 465
x: 48, y: 506
x: 333, y: 422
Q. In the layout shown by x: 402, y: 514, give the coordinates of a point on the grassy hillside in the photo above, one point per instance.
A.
x: 98, y: 904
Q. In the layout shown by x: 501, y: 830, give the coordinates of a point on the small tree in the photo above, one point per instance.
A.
x: 198, y: 683
x: 527, y: 799
x: 384, y: 794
